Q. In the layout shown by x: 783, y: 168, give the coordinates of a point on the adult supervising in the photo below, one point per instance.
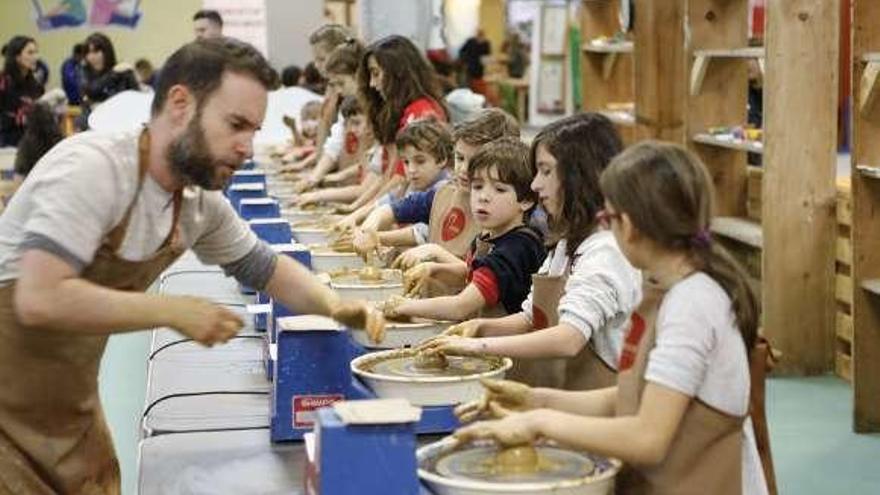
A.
x: 94, y: 224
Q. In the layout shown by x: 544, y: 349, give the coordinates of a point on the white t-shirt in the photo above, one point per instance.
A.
x: 335, y: 142
x: 603, y: 289
x: 700, y: 353
x: 80, y: 190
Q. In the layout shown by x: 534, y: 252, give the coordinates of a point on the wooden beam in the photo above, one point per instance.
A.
x: 660, y: 62
x: 800, y: 194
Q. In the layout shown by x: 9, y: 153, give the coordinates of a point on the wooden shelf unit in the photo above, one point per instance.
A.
x: 866, y: 217
x: 734, y: 144
x: 606, y: 69
x: 794, y: 243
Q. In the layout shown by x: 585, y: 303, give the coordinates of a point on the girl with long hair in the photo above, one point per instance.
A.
x: 19, y: 88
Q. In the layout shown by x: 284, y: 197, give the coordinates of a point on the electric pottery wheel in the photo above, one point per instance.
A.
x: 483, y: 467
x: 328, y: 259
x: 399, y: 334
x: 299, y: 213
x: 432, y: 380
x: 316, y: 230
x: 368, y: 283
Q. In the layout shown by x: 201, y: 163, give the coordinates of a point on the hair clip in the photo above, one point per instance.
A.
x: 702, y: 239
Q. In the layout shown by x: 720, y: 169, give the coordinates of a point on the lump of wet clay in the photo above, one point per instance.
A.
x: 517, y: 459
x: 430, y: 361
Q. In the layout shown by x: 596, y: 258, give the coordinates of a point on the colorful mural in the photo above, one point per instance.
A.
x: 56, y: 14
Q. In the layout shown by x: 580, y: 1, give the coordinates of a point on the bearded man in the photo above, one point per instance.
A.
x: 97, y: 221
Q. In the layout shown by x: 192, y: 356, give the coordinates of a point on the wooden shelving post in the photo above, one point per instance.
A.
x: 721, y: 101
x: 866, y: 216
x: 659, y: 63
x: 606, y: 69
x: 799, y: 222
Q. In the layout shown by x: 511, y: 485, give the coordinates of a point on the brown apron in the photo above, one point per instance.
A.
x: 706, y: 453
x: 452, y: 227
x: 451, y: 224
x: 585, y: 371
x: 53, y: 436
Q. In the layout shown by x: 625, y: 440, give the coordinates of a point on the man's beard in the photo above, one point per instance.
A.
x: 191, y: 160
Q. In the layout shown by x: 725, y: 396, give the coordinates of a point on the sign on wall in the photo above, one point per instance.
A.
x: 244, y: 20
x: 56, y: 14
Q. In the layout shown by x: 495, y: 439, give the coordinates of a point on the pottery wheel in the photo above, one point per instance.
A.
x: 365, y: 276
x: 479, y: 463
x: 405, y: 366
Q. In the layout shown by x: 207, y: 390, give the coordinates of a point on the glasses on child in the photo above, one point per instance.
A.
x: 605, y: 217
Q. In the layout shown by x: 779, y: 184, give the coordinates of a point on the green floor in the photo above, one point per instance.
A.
x: 814, y: 448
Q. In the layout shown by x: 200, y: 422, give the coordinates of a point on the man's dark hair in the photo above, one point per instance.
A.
x: 211, y: 15
x: 200, y: 66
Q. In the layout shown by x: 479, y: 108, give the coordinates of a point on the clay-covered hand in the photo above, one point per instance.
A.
x: 413, y: 256
x: 453, y: 345
x: 304, y: 185
x: 506, y: 395
x: 391, y: 308
x: 513, y: 429
x: 202, y: 320
x: 358, y: 314
x: 365, y: 241
x: 468, y: 328
x: 305, y: 199
x: 416, y: 279
x: 345, y: 225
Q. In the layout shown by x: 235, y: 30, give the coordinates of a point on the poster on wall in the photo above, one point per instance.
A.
x: 551, y: 87
x: 57, y: 14
x: 243, y: 19
x: 554, y: 21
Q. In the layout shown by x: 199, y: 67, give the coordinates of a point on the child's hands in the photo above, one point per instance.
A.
x: 305, y: 199
x: 469, y: 328
x: 453, y: 345
x: 347, y: 224
x: 304, y: 185
x: 416, y: 279
x: 358, y: 314
x: 509, y: 395
x: 392, y: 308
x: 512, y: 429
x: 412, y: 257
x: 365, y: 241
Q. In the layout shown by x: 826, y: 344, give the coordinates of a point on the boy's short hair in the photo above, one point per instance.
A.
x: 331, y: 34
x: 311, y: 108
x: 511, y: 160
x: 488, y: 125
x: 350, y: 107
x: 345, y: 58
x: 209, y: 14
x: 428, y: 136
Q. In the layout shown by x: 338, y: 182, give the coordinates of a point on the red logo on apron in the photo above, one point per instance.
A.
x: 539, y: 318
x: 631, y: 343
x: 351, y: 143
x: 453, y: 224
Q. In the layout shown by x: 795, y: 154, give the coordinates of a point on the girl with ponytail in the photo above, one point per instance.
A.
x: 679, y: 415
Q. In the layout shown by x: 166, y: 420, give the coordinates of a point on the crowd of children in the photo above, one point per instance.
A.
x: 631, y: 329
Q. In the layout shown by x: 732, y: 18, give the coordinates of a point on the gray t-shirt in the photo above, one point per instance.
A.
x: 80, y: 190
